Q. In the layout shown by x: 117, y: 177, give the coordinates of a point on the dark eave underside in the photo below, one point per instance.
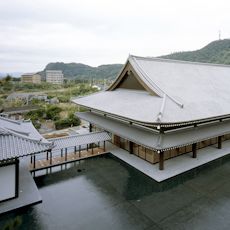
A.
x: 154, y: 140
x: 157, y: 124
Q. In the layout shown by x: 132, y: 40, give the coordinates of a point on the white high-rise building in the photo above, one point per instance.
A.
x: 54, y: 76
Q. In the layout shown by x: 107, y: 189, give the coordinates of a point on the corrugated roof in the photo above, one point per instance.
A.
x: 18, y: 138
x: 78, y: 140
x: 190, y: 92
x: 154, y: 140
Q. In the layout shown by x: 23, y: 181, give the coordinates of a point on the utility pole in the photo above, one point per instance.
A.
x: 219, y: 34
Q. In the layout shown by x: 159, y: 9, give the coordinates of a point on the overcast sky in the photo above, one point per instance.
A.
x: 36, y: 32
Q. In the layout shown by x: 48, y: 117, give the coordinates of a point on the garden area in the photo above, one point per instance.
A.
x: 62, y: 116
x: 59, y: 112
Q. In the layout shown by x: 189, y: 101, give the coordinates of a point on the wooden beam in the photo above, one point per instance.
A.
x: 161, y: 162
x: 220, y: 142
x: 194, y: 150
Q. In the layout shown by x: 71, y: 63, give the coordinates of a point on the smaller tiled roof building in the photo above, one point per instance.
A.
x: 17, y: 139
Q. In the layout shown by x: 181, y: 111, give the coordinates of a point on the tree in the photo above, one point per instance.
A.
x: 72, y: 120
x: 8, y: 78
x: 52, y: 112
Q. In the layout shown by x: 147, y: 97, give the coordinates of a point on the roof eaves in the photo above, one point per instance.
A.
x: 118, y: 77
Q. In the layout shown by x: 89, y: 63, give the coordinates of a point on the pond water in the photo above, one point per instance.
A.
x: 104, y: 193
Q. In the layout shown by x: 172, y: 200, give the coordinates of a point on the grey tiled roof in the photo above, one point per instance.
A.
x: 183, y: 92
x: 13, y: 145
x: 77, y: 140
x: 22, y: 127
x: 18, y: 138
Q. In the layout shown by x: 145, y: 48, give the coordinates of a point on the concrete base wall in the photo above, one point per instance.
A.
x: 7, y: 181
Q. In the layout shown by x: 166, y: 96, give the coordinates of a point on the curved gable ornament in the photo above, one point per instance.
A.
x: 131, y: 77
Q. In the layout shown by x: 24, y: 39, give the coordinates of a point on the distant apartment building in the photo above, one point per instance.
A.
x: 31, y: 78
x: 54, y: 76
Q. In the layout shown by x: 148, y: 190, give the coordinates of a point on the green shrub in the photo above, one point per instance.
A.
x: 72, y: 120
x: 52, y: 112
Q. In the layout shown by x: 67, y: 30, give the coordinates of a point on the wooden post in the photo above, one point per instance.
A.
x: 87, y: 147
x: 16, y: 177
x: 50, y: 157
x: 220, y: 142
x: 31, y: 159
x: 194, y: 150
x: 130, y: 147
x: 65, y: 154
x: 34, y: 160
x: 47, y: 155
x: 92, y: 148
x: 104, y: 146
x: 90, y: 127
x: 161, y: 162
x: 75, y: 149
x: 79, y: 151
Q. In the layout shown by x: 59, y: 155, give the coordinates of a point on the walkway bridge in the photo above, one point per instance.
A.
x: 70, y: 149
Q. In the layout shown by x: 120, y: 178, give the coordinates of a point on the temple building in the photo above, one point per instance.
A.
x: 158, y: 109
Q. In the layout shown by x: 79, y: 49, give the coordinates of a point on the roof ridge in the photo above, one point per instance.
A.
x: 180, y: 61
x: 11, y: 132
x: 154, y: 84
x: 158, y: 90
x: 19, y: 132
x: 160, y: 114
x: 10, y: 120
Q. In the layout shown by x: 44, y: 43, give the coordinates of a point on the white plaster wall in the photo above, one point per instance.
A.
x: 7, y: 182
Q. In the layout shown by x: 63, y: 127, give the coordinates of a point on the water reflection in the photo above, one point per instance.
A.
x: 96, y: 192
